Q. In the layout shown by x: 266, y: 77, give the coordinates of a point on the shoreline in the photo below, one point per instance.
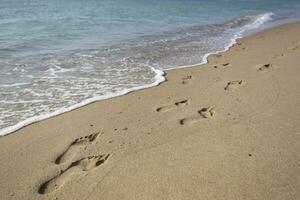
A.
x: 159, y: 78
x: 226, y: 130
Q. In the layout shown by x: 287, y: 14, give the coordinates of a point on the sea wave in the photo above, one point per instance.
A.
x: 61, y: 82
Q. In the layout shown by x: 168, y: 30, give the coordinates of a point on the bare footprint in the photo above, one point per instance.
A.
x: 74, y: 147
x: 265, y: 67
x: 178, y: 104
x: 186, y: 79
x: 224, y: 65
x: 85, y: 164
x: 204, y: 113
x: 293, y: 48
x: 233, y: 85
x: 276, y: 56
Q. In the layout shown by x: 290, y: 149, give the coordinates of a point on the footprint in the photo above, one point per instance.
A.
x: 178, y: 104
x: 224, y: 65
x: 264, y: 67
x: 204, y: 113
x: 240, y: 46
x: 76, y: 168
x: 186, y: 79
x: 74, y: 147
x: 233, y: 85
x: 293, y: 48
x: 281, y: 55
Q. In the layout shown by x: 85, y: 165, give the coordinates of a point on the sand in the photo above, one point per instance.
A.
x: 229, y: 129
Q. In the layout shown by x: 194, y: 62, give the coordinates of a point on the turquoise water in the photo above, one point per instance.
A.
x: 60, y: 54
x: 30, y: 26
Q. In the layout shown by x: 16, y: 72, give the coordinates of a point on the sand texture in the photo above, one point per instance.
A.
x: 229, y: 129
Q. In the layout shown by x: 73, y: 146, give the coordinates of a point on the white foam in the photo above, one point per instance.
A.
x: 259, y: 20
x: 159, y: 77
x: 14, y: 84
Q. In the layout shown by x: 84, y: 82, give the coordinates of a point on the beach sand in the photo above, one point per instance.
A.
x: 229, y: 129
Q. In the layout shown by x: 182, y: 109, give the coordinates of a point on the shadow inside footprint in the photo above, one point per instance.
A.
x: 71, y: 151
x: 178, y: 104
x: 204, y: 113
x: 264, y: 67
x: 76, y: 167
x: 233, y: 85
x: 293, y: 48
x: 186, y: 79
x: 226, y: 64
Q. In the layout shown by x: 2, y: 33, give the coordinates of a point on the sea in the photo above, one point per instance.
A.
x: 58, y: 55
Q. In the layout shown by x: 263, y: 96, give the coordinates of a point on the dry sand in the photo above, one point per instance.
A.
x: 229, y: 129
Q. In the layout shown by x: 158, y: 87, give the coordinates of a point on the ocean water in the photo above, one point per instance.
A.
x: 57, y: 55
